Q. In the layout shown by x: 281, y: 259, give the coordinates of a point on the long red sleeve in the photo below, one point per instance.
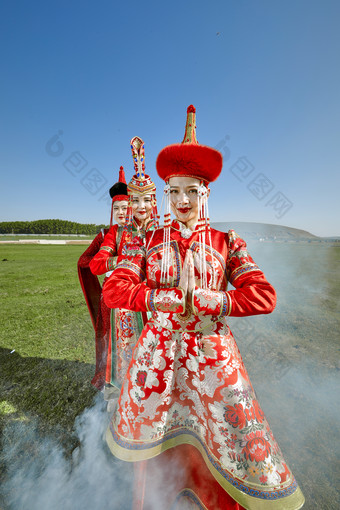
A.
x: 125, y: 289
x: 91, y: 251
x: 89, y: 283
x: 105, y: 260
x: 253, y: 294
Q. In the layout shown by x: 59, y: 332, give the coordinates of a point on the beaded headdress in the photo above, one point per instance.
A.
x: 189, y: 159
x: 141, y: 183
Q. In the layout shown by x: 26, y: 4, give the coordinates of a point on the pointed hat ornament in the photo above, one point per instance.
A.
x: 119, y: 190
x: 121, y: 175
x: 190, y: 127
x: 138, y: 154
x: 189, y: 158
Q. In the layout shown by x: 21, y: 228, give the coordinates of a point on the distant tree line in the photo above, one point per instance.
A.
x: 49, y: 227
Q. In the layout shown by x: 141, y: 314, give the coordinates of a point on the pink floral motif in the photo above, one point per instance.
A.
x: 207, y: 294
x: 167, y: 302
x: 235, y: 416
x: 257, y: 447
x: 141, y: 378
x: 223, y: 431
x: 250, y: 414
x: 263, y: 479
x: 230, y: 443
x: 232, y: 455
x: 258, y: 411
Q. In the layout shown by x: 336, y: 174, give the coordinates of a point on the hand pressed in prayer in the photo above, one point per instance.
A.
x: 187, y: 280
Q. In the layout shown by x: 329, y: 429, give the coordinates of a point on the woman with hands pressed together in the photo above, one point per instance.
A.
x: 187, y: 400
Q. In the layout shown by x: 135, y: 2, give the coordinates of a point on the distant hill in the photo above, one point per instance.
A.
x: 265, y: 231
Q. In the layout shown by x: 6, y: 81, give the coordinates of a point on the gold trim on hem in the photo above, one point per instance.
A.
x: 181, y: 494
x: 294, y: 501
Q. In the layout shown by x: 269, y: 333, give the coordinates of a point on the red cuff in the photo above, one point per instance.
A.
x: 165, y: 300
x: 210, y: 302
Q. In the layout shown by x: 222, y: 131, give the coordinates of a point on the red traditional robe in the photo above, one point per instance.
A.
x: 99, y: 312
x: 125, y: 326
x: 187, y: 390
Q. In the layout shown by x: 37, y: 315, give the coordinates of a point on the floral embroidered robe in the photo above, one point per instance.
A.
x: 187, y: 384
x: 125, y: 325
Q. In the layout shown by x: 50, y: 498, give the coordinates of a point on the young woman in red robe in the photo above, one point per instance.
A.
x: 187, y: 405
x: 126, y: 325
x: 92, y: 289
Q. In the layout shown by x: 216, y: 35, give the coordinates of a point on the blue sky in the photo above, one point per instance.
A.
x: 263, y: 75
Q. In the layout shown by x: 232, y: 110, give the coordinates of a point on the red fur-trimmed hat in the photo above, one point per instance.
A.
x: 119, y: 190
x: 189, y: 158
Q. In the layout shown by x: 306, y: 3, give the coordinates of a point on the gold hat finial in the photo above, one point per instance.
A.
x: 190, y: 127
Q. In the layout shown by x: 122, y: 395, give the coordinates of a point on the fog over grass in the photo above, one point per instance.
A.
x: 39, y: 475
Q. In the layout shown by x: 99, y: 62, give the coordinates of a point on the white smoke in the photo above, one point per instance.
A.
x: 293, y: 361
x: 39, y: 475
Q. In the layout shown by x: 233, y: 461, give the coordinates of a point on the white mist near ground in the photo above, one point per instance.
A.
x: 292, y: 357
x: 39, y: 476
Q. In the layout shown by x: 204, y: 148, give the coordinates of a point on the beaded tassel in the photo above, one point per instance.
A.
x: 111, y: 215
x: 202, y: 195
x: 213, y: 282
x: 165, y: 265
x: 203, y: 227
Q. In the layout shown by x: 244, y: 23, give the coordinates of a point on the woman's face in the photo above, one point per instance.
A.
x: 184, y: 199
x: 119, y: 211
x: 141, y: 207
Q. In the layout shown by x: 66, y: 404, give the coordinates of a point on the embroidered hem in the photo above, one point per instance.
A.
x: 288, y: 496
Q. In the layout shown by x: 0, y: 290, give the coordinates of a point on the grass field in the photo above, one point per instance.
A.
x: 44, y: 320
x: 47, y: 352
x: 19, y: 237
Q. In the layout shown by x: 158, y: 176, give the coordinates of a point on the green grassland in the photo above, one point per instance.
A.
x: 59, y: 237
x: 44, y: 320
x: 291, y: 355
